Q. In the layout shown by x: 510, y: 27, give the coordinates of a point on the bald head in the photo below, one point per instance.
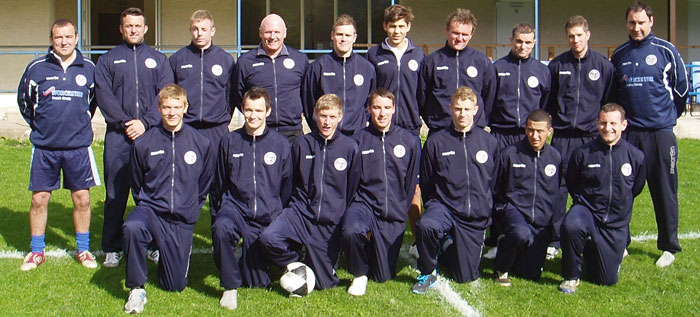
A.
x: 272, y: 33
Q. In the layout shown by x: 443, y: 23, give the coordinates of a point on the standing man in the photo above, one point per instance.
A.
x: 204, y: 71
x: 252, y: 183
x: 451, y: 67
x: 458, y: 173
x: 343, y: 73
x: 581, y: 83
x: 172, y: 166
x: 128, y: 79
x: 652, y: 85
x: 397, y: 61
x: 326, y: 175
x: 374, y: 224
x: 603, y: 177
x: 527, y: 181
x: 279, y: 69
x: 55, y: 97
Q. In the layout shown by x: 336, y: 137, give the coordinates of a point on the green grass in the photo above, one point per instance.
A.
x: 62, y: 287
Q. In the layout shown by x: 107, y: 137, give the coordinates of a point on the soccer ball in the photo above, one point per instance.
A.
x: 298, y: 279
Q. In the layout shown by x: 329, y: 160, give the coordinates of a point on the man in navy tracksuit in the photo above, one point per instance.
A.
x: 652, y: 85
x: 527, y: 181
x: 252, y: 184
x: 326, y: 176
x: 343, y: 73
x: 453, y: 66
x: 581, y: 83
x: 56, y: 98
x: 172, y: 166
x: 603, y: 177
x: 457, y: 179
x: 204, y: 70
x: 127, y: 80
x: 374, y: 224
x: 279, y: 69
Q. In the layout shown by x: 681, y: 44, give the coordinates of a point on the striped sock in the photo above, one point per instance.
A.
x: 82, y: 239
x: 38, y: 243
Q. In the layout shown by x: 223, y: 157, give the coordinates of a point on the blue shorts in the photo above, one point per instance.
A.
x: 78, y: 165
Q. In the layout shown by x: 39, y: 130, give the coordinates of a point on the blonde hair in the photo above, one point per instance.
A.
x: 202, y: 15
x: 172, y: 91
x: 463, y: 93
x: 329, y: 101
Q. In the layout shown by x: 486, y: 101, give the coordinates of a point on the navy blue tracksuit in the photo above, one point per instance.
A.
x: 603, y: 180
x: 326, y: 176
x: 252, y: 183
x: 522, y: 86
x: 171, y: 174
x: 281, y: 77
x: 401, y: 78
x: 205, y: 74
x: 651, y: 83
x: 580, y: 86
x: 526, y: 187
x: 374, y: 224
x: 442, y: 72
x: 127, y: 80
x: 457, y: 177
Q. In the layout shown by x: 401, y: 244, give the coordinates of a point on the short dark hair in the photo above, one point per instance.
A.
x: 132, y: 11
x: 540, y: 115
x: 256, y: 93
x: 639, y: 6
x: 612, y: 107
x: 397, y: 12
x: 576, y: 20
x: 522, y: 28
x: 461, y: 16
x: 381, y: 92
x: 61, y: 23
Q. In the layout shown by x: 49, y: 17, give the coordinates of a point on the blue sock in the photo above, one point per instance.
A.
x: 82, y: 239
x: 38, y: 243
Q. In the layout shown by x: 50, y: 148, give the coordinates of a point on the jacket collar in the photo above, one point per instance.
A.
x: 643, y: 41
x: 261, y: 51
x: 249, y: 137
x: 409, y: 46
x: 54, y: 58
x: 198, y: 50
x: 372, y: 129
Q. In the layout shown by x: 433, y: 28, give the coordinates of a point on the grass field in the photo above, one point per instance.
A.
x: 62, y: 287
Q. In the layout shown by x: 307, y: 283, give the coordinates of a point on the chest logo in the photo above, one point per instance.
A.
x: 413, y: 65
x: 288, y: 63
x: 150, y: 63
x: 594, y: 75
x: 472, y: 71
x: 550, y: 170
x: 651, y: 59
x: 399, y: 151
x: 190, y: 157
x: 217, y: 70
x: 270, y: 158
x: 80, y: 80
x: 359, y: 80
x: 482, y: 157
x: 626, y: 169
x: 340, y: 164
x: 533, y: 82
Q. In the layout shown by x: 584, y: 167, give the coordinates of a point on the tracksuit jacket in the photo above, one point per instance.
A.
x: 326, y: 175
x: 128, y: 79
x: 579, y: 87
x: 205, y: 74
x: 528, y: 180
x: 172, y: 172
x: 389, y: 170
x: 522, y: 86
x: 351, y: 78
x: 401, y: 78
x: 655, y: 82
x: 58, y: 105
x: 280, y: 76
x: 458, y: 169
x: 442, y: 72
x: 253, y: 175
x: 606, y: 179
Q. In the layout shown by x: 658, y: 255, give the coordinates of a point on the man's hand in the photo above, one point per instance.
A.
x: 135, y: 129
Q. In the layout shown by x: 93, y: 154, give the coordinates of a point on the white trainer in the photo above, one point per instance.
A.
x: 153, y: 255
x: 413, y: 251
x: 112, y: 259
x: 665, y: 259
x: 136, y: 302
x: 358, y: 287
x: 229, y: 299
x: 551, y: 253
x: 491, y: 253
x: 625, y: 254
